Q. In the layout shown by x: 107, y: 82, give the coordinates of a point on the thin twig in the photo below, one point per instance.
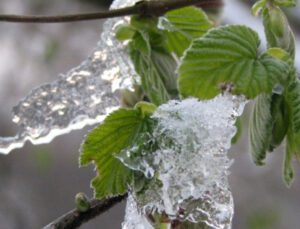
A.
x: 143, y: 8
x: 74, y: 218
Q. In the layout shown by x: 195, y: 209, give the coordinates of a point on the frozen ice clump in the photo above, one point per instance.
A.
x: 82, y: 96
x: 191, y: 164
x: 133, y: 218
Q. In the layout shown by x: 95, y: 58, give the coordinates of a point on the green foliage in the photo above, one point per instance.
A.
x: 293, y: 100
x: 261, y: 4
x: 125, y: 32
x: 292, y: 96
x: 288, y: 172
x: 239, y: 129
x: 151, y: 59
x: 119, y: 130
x: 285, y: 3
x: 151, y: 48
x: 268, y: 125
x: 229, y: 55
x: 258, y: 7
x: 210, y: 59
x: 261, y: 128
x: 280, y: 120
x: 152, y: 80
x: 182, y: 26
x: 285, y: 108
x: 277, y: 30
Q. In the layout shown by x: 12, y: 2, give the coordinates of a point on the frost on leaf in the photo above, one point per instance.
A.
x: 82, y: 96
x: 191, y: 164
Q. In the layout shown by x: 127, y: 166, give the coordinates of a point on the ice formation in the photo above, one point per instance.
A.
x: 133, y: 218
x: 82, y: 96
x: 191, y: 163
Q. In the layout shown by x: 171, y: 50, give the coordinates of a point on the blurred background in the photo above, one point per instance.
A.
x: 38, y: 183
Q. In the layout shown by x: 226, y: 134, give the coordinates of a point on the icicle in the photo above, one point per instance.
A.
x: 134, y: 219
x: 83, y: 96
x: 191, y: 164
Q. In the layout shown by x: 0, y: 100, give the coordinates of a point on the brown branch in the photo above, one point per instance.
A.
x: 143, y: 8
x: 75, y: 218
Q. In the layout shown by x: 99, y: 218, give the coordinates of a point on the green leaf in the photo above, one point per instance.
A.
x: 280, y: 119
x: 278, y: 31
x: 288, y: 171
x: 152, y: 82
x: 239, y: 128
x: 293, y: 101
x: 146, y: 108
x: 155, y: 66
x: 118, y: 131
x: 292, y: 148
x: 285, y: 3
x: 258, y: 7
x: 124, y: 32
x: 260, y: 129
x: 166, y: 67
x: 229, y: 55
x: 279, y: 53
x: 152, y: 61
x: 182, y: 26
x: 269, y: 124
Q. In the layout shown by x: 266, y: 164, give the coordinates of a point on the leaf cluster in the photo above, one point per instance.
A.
x: 181, y: 55
x: 275, y: 116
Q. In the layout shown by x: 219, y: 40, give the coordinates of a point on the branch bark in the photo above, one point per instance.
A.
x: 142, y: 8
x: 74, y: 218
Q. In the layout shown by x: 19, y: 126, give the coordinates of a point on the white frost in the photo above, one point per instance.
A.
x: 82, y: 96
x: 191, y: 163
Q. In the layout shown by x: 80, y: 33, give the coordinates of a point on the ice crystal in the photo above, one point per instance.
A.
x: 133, y: 218
x: 82, y: 96
x: 191, y: 164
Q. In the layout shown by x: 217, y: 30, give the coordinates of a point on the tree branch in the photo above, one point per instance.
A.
x: 74, y: 218
x: 143, y: 8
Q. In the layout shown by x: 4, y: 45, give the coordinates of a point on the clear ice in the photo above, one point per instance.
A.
x: 82, y: 96
x: 191, y: 164
x: 133, y: 218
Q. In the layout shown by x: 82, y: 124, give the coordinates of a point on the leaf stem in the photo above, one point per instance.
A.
x: 143, y: 8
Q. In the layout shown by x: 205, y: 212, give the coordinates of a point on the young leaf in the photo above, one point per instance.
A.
x: 124, y: 32
x: 182, y: 26
x: 260, y: 129
x: 258, y: 6
x: 239, y: 129
x: 229, y: 55
x: 118, y: 131
x: 292, y: 148
x: 293, y: 101
x: 269, y: 124
x: 146, y: 108
x: 277, y: 30
x: 280, y: 120
x: 152, y: 61
x: 285, y: 3
x: 152, y: 82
